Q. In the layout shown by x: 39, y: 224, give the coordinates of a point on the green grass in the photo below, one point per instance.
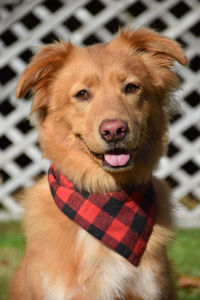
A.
x: 184, y: 253
x: 11, y: 251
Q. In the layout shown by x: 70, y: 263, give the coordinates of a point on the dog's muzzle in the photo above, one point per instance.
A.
x: 114, y: 132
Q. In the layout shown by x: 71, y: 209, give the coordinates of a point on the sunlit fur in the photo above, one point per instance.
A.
x: 62, y: 261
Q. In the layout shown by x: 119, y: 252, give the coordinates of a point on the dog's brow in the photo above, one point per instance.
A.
x: 122, y: 76
x: 91, y: 80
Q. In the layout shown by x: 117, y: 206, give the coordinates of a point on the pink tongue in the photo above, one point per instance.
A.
x: 117, y: 160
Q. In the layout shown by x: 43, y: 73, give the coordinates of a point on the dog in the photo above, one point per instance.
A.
x: 98, y: 224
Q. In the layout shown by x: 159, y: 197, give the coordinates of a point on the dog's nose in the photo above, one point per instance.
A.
x: 113, y: 130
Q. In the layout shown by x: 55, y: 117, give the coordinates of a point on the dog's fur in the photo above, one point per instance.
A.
x: 62, y: 261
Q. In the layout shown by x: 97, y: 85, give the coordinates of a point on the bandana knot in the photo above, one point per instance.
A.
x: 123, y: 220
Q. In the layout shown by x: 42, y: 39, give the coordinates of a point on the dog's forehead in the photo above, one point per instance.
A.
x: 101, y: 56
x: 101, y: 61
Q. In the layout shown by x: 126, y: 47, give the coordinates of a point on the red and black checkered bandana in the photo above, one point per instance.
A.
x: 122, y: 220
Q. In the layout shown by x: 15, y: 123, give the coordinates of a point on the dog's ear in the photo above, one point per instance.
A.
x: 158, y: 53
x: 40, y: 73
x: 147, y: 40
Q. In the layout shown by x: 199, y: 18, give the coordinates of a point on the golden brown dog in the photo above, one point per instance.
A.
x: 103, y: 117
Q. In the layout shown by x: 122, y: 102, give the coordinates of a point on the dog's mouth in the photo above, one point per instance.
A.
x: 116, y: 159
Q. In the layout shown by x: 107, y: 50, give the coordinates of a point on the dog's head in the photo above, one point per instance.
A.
x: 102, y: 109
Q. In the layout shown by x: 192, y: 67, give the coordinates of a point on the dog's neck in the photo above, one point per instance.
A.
x: 97, y: 180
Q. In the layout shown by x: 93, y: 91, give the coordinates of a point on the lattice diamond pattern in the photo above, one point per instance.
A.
x: 25, y: 24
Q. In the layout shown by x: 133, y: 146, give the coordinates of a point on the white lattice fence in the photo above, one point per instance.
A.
x: 25, y: 24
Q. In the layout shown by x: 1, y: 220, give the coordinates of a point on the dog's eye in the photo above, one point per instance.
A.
x: 131, y: 88
x: 82, y: 95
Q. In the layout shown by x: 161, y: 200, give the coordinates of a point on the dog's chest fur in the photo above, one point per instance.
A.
x: 105, y: 271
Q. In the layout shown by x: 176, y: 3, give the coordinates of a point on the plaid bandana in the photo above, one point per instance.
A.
x: 122, y: 220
